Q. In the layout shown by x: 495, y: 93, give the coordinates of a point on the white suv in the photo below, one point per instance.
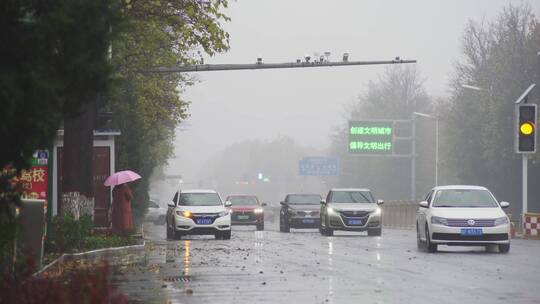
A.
x: 198, y: 212
x: 462, y: 216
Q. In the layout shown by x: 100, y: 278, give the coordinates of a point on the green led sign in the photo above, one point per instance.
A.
x: 371, y: 137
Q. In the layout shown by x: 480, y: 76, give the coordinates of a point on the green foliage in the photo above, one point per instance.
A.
x: 66, y: 234
x: 54, y: 60
x: 147, y: 107
x: 106, y: 241
x: 500, y: 57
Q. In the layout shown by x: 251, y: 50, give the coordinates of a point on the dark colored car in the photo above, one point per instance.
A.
x: 246, y: 210
x: 299, y: 211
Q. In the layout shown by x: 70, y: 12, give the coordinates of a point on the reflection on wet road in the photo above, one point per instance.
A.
x: 304, y: 267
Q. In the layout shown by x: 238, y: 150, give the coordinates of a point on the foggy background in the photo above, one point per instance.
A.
x: 307, y: 105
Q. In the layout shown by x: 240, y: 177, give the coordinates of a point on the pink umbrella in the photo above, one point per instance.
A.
x: 121, y: 177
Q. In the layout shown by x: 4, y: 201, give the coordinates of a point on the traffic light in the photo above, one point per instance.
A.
x: 526, y: 128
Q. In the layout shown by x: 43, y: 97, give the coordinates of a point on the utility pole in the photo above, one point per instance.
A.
x: 261, y: 66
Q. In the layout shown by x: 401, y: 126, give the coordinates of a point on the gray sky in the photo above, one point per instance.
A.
x: 307, y: 104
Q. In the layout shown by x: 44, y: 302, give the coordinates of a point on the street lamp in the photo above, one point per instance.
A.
x: 436, y: 119
x: 475, y: 88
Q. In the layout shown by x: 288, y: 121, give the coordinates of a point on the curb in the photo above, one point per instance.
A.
x: 90, y: 254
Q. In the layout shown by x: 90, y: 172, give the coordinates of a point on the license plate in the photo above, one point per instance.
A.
x: 355, y: 222
x: 308, y: 221
x: 243, y: 217
x: 471, y: 232
x: 204, y: 221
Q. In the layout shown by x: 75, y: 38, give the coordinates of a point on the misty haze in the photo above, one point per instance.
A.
x: 190, y: 151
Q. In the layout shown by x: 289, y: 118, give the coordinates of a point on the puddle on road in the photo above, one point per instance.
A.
x: 187, y: 257
x: 331, y: 271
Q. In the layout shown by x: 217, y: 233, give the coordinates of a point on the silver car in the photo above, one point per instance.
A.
x: 350, y: 210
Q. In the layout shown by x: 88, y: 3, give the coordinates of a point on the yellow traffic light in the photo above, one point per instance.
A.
x: 526, y: 128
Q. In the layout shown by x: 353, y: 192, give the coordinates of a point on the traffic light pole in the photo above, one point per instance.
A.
x: 525, y: 149
x: 524, y: 178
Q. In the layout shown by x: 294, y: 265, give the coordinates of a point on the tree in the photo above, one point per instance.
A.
x: 395, y: 96
x: 54, y: 61
x: 499, y: 56
x: 147, y: 107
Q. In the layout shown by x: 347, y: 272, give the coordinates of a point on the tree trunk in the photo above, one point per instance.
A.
x: 77, y: 185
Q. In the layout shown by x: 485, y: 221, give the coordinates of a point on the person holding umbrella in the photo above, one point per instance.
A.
x: 122, y: 222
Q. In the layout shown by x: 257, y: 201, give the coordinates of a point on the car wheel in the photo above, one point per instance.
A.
x: 169, y: 234
x: 260, y: 226
x: 327, y: 230
x: 286, y: 227
x: 226, y: 235
x: 374, y: 232
x: 177, y: 235
x: 504, y: 248
x: 430, y: 246
x: 419, y: 242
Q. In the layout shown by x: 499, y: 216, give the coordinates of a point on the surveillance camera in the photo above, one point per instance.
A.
x: 307, y: 57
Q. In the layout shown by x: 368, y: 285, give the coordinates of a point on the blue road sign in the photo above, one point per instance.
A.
x: 318, y: 166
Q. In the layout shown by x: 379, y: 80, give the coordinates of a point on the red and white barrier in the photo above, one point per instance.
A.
x: 531, y: 225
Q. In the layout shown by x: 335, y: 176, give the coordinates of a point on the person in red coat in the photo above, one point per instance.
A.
x: 122, y: 223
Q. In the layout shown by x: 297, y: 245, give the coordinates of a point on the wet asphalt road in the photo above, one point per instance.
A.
x: 304, y: 267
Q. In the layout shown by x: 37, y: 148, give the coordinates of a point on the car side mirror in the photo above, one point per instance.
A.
x: 171, y: 204
x: 264, y: 204
x: 282, y: 203
x: 505, y: 205
x: 228, y: 204
x: 423, y: 204
x: 323, y: 202
x: 380, y: 202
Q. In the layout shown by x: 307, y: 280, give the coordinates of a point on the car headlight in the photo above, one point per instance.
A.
x: 377, y: 211
x: 258, y: 210
x: 501, y: 221
x: 223, y: 213
x: 331, y: 211
x: 439, y: 220
x: 184, y: 213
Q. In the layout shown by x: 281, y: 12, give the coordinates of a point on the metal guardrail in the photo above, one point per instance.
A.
x: 399, y: 214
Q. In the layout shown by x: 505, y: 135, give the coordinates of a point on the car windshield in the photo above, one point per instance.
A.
x: 199, y: 199
x: 243, y: 200
x: 464, y: 198
x: 303, y: 199
x: 351, y: 197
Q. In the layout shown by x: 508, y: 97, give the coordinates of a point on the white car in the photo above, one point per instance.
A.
x: 198, y: 212
x: 155, y: 213
x: 462, y: 216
